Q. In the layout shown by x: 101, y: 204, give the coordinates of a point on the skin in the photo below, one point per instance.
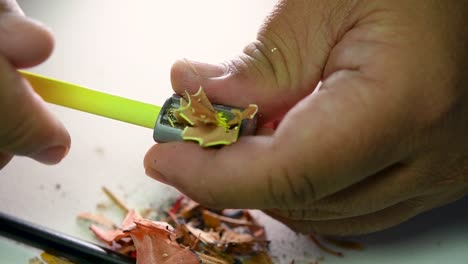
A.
x: 27, y: 128
x: 382, y: 139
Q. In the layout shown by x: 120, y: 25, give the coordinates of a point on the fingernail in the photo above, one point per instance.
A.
x: 155, y: 175
x: 52, y: 155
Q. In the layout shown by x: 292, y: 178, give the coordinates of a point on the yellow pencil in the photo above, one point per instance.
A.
x: 91, y: 101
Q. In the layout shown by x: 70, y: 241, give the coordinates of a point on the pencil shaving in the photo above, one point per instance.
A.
x: 190, y: 234
x: 204, y: 124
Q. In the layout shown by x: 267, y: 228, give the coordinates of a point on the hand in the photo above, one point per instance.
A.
x: 382, y: 139
x: 26, y: 127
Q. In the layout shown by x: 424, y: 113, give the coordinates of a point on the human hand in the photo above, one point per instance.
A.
x: 380, y: 141
x: 27, y: 128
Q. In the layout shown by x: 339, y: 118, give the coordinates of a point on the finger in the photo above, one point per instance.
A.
x: 270, y: 72
x: 28, y: 128
x: 393, y: 185
x: 344, y: 132
x: 376, y: 221
x: 4, y: 159
x: 210, y: 176
x: 326, y: 143
x: 24, y: 41
x: 358, y: 225
x: 373, y: 222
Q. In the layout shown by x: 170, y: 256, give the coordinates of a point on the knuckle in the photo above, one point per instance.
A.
x: 414, y: 205
x: 272, y: 60
x: 288, y: 189
x: 23, y: 137
x: 19, y: 123
x: 15, y: 133
x: 203, y: 191
x: 317, y: 214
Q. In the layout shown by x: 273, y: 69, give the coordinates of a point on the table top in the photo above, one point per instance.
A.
x: 127, y: 48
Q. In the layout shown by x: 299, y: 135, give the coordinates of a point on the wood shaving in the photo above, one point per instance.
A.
x: 47, y: 258
x: 115, y: 199
x: 192, y: 233
x: 207, y: 126
x: 185, y: 236
x: 51, y: 259
x: 97, y: 219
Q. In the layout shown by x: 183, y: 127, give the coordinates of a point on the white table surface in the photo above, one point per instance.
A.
x: 127, y: 48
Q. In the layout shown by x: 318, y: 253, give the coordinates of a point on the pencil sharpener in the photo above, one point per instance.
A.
x: 166, y: 131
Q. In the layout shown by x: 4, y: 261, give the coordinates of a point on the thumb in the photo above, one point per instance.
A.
x: 269, y: 72
x: 276, y: 71
x: 27, y: 127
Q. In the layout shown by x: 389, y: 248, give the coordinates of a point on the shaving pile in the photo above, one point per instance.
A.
x: 190, y: 234
x: 206, y: 125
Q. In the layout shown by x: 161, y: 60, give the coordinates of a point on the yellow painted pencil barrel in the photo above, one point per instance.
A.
x: 95, y: 102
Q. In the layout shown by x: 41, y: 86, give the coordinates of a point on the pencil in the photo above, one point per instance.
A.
x: 59, y: 244
x: 95, y: 102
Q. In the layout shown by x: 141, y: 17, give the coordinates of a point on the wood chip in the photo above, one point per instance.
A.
x: 115, y: 199
x: 97, y: 219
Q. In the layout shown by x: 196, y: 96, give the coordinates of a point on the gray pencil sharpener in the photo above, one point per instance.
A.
x: 166, y: 131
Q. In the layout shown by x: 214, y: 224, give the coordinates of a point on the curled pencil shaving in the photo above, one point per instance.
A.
x: 153, y: 241
x: 156, y: 243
